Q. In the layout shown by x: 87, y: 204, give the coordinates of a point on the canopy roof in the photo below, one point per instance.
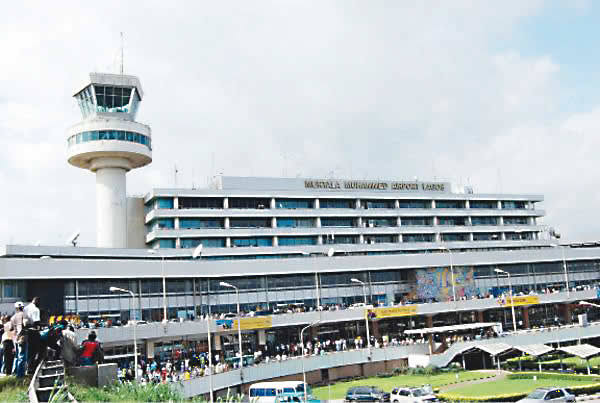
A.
x: 535, y: 349
x: 581, y: 350
x: 452, y: 328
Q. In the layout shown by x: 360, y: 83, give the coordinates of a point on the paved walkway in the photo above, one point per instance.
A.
x: 498, y: 375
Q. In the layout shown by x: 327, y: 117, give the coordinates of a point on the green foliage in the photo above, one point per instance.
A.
x: 126, y: 392
x: 14, y: 389
x: 407, y: 377
x: 517, y: 386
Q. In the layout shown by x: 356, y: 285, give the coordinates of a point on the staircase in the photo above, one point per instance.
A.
x: 49, y: 377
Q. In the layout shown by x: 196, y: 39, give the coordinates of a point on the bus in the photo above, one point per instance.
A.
x: 268, y: 392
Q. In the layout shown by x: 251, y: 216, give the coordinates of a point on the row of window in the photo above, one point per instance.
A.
x: 340, y: 239
x: 331, y: 222
x: 120, y: 135
x: 265, y: 203
x: 274, y: 282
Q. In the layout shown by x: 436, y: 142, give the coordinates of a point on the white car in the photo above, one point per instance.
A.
x: 549, y: 395
x: 406, y: 394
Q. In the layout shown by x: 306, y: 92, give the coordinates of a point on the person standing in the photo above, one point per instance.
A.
x: 91, y: 351
x: 34, y: 353
x: 8, y: 346
x: 17, y: 323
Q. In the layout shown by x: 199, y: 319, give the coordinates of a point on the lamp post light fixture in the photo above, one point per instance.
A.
x: 239, y: 320
x: 355, y: 280
x: 512, y: 303
x: 305, y: 386
x: 135, y: 353
x: 164, y: 282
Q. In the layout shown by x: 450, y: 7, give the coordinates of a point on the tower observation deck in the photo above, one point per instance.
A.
x: 109, y: 142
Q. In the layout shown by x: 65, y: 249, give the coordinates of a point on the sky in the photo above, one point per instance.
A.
x: 501, y: 96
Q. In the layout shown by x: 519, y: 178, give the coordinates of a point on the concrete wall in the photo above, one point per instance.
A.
x: 136, y: 230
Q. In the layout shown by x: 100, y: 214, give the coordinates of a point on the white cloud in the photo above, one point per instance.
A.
x: 382, y: 89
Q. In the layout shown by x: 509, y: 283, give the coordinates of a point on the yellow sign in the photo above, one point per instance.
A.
x: 520, y: 301
x: 260, y: 322
x: 381, y: 313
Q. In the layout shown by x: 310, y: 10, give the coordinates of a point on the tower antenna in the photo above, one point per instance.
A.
x: 122, y: 57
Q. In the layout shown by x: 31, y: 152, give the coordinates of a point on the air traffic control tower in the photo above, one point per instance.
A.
x: 109, y: 142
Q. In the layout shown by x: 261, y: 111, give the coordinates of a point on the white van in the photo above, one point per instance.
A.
x: 267, y: 392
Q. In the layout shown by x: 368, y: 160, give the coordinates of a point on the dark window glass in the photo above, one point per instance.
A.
x: 196, y: 202
x: 336, y: 222
x: 450, y: 204
x: 250, y: 222
x: 293, y: 203
x: 483, y: 204
x: 415, y: 203
x: 336, y: 203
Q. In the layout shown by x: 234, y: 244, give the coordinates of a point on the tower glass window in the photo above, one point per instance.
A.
x: 112, y: 99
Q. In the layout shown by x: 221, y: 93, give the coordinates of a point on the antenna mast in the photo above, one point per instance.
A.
x: 122, y: 58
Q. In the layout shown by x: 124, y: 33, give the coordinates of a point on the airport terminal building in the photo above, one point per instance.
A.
x: 429, y: 250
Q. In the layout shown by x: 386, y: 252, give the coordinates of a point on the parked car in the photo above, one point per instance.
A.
x: 366, y: 394
x: 406, y: 394
x: 295, y: 397
x: 549, y: 395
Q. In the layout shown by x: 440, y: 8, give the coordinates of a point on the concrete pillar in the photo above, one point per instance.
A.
x: 359, y: 222
x: 467, y: 204
x: 177, y: 242
x: 111, y: 202
x: 176, y: 203
x: 262, y: 337
x: 357, y: 204
x: 149, y: 349
x: 500, y: 220
x: 226, y: 223
x: 526, y: 317
x: 361, y: 238
x: 499, y: 204
x: 216, y: 342
x: 317, y: 205
x: 318, y: 222
x: 432, y: 203
x: 480, y: 316
x: 273, y: 221
x: 275, y: 241
x: 319, y: 239
x: 396, y: 203
x: 176, y: 223
x: 273, y: 205
x: 429, y: 320
x: 398, y: 221
x: 375, y: 329
x: 400, y: 239
x: 228, y: 242
x: 226, y: 202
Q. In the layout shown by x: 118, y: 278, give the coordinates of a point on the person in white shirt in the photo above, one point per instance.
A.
x: 32, y: 311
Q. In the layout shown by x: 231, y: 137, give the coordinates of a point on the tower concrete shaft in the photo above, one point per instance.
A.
x: 109, y: 142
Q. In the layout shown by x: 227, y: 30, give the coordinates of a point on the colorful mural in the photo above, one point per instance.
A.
x: 435, y: 284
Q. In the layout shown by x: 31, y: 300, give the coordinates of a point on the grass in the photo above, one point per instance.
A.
x: 509, y: 386
x: 568, y: 362
x: 338, y: 390
x: 13, y: 389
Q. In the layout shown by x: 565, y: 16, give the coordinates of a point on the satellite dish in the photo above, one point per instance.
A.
x: 73, y: 238
x: 330, y: 252
x: 197, y: 251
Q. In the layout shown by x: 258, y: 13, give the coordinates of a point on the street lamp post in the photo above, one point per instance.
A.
x: 195, y: 255
x: 164, y: 282
x: 355, y: 280
x: 239, y: 321
x: 135, y: 357
x: 564, y: 261
x: 303, y: 357
x: 512, y: 303
x: 451, y: 270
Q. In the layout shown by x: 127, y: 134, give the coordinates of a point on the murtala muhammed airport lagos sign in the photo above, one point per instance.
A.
x: 333, y: 184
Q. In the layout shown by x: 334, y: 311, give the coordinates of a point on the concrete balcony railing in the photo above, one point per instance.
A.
x: 293, y: 366
x: 198, y: 328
